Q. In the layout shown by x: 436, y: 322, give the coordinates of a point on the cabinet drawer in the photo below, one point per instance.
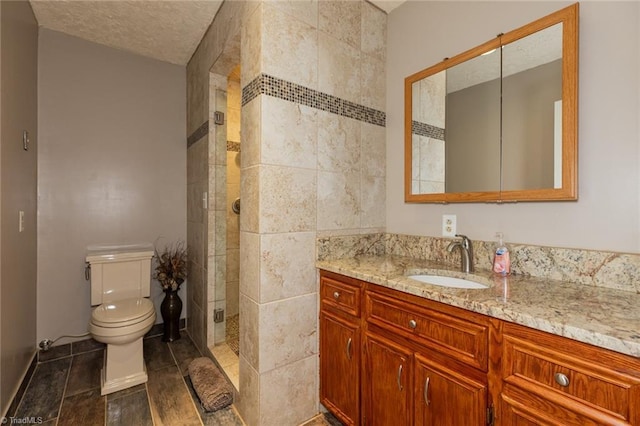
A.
x: 452, y: 336
x: 561, y: 370
x: 342, y: 295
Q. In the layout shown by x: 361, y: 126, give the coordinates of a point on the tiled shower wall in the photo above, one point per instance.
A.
x: 313, y: 163
x: 206, y: 168
x: 233, y: 192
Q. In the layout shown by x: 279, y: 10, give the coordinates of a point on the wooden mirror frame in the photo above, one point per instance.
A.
x: 569, y: 190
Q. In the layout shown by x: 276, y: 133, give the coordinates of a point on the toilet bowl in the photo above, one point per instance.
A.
x: 121, y: 325
x: 122, y: 321
x: 120, y: 279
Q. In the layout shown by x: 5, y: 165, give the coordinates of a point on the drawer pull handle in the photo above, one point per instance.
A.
x: 561, y: 379
x: 399, y: 377
x: 336, y: 295
x: 413, y: 324
x: 426, y: 391
x: 349, y: 348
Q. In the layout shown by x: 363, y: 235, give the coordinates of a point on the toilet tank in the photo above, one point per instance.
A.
x: 119, y: 271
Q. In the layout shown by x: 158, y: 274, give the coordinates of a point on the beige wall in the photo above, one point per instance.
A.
x: 19, y: 62
x: 606, y: 215
x: 112, y: 166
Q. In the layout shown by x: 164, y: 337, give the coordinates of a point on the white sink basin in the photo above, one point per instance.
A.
x: 448, y: 281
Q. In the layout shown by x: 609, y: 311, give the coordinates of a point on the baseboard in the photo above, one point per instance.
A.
x: 13, y: 406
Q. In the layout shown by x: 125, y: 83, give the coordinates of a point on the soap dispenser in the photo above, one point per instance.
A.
x: 501, y: 258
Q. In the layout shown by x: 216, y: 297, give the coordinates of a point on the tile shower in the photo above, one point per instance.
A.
x: 313, y: 149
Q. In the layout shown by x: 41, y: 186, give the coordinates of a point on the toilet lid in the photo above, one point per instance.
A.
x: 128, y: 310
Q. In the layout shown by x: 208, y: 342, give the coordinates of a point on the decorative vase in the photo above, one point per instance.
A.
x: 171, y: 308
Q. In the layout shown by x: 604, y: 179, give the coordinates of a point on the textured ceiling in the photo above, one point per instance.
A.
x: 166, y: 30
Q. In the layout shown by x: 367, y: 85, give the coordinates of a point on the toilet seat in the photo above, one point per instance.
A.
x: 122, y: 313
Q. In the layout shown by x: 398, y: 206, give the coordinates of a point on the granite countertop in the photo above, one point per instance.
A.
x: 603, y: 317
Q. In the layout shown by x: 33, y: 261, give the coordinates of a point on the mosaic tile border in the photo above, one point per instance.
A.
x: 424, y: 129
x: 199, y: 133
x: 268, y: 85
x: 233, y: 146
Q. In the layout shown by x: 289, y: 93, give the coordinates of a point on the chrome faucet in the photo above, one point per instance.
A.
x: 466, y: 252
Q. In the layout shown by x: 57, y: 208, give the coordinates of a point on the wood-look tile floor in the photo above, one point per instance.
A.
x: 66, y: 391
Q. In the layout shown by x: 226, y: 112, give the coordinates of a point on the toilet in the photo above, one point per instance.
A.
x: 120, y: 285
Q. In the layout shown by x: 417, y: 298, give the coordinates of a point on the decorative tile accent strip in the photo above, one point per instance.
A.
x: 199, y: 133
x: 233, y: 146
x: 620, y: 271
x: 424, y: 129
x: 267, y: 85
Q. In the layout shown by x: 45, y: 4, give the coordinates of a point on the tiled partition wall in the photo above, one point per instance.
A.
x: 313, y: 163
x: 206, y: 160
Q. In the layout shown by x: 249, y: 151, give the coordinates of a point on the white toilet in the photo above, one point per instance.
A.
x: 120, y: 285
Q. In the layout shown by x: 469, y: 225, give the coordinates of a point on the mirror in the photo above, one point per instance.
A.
x: 499, y: 122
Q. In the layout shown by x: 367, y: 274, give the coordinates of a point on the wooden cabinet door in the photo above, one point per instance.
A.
x: 445, y: 397
x: 340, y: 368
x: 387, y: 383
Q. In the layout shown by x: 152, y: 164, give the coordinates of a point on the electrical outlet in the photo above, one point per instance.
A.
x: 448, y: 225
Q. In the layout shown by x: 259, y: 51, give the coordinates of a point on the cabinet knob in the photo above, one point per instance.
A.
x: 561, y: 379
x: 413, y: 324
x: 336, y: 295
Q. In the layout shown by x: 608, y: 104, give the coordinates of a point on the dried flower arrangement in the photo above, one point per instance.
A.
x: 172, y: 266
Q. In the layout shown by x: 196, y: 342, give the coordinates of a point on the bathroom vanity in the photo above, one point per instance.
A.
x: 397, y: 352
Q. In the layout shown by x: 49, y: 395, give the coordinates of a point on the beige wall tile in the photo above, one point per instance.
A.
x: 304, y: 10
x: 248, y: 402
x: 251, y: 328
x: 196, y: 161
x: 373, y: 212
x: 373, y: 145
x: 374, y: 31
x: 373, y: 82
x: 287, y: 266
x: 195, y: 212
x: 250, y: 196
x: 289, y: 133
x: 219, y: 293
x: 195, y: 243
x: 342, y: 20
x: 338, y: 68
x: 295, y: 383
x: 250, y: 270
x: 338, y: 200
x: 288, y: 331
x: 287, y: 41
x: 251, y: 46
x: 338, y: 143
x: 251, y: 131
x: 195, y: 326
x: 287, y: 199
